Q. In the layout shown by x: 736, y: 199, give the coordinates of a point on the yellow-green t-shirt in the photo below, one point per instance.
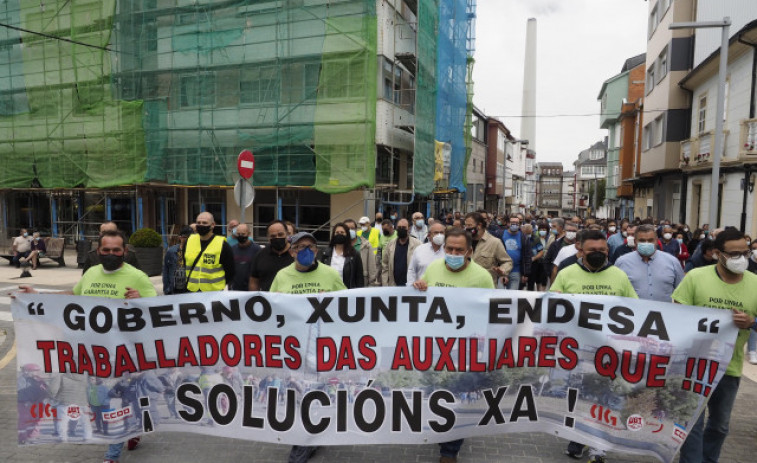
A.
x: 321, y: 279
x: 609, y: 282
x: 97, y: 282
x: 703, y: 287
x: 473, y: 276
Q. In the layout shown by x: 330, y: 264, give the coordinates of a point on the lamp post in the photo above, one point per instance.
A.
x: 725, y: 26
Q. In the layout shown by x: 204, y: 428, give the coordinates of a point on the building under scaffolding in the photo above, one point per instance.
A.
x: 135, y: 111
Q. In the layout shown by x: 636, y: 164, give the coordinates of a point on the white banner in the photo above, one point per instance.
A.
x: 368, y: 366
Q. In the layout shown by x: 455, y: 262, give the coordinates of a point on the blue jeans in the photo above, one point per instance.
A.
x: 704, y: 442
x: 450, y: 449
x: 114, y: 451
x: 514, y: 281
x: 752, y: 343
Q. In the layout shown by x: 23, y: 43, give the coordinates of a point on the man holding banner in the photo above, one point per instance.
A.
x: 115, y: 279
x: 725, y: 285
x: 455, y: 271
x: 305, y: 276
x: 593, y: 274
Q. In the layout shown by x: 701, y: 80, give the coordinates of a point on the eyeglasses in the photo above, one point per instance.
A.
x: 303, y: 246
x: 737, y: 254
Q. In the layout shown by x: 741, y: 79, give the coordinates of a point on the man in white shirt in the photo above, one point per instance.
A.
x: 426, y: 253
x: 418, y: 228
x: 22, y: 246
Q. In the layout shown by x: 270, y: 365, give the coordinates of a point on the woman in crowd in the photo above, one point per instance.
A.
x: 343, y: 258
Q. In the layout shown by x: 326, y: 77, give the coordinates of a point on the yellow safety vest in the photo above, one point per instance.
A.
x: 373, y: 238
x: 208, y: 274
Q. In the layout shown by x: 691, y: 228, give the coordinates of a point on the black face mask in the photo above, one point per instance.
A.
x: 339, y: 239
x: 402, y: 233
x: 111, y: 262
x: 202, y: 230
x: 596, y: 259
x: 278, y: 244
x: 242, y: 239
x: 387, y: 233
x: 472, y: 231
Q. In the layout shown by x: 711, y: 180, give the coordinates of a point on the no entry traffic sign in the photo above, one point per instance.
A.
x: 246, y: 164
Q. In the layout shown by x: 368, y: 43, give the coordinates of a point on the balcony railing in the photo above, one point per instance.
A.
x: 748, y: 139
x: 698, y: 151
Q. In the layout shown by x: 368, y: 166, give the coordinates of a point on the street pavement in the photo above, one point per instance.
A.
x: 740, y: 447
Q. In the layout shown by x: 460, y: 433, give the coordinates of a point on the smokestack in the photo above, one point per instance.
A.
x: 528, y: 109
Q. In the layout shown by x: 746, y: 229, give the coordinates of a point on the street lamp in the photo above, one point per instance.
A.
x: 725, y: 26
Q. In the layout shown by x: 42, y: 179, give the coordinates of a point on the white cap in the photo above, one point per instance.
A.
x: 364, y: 220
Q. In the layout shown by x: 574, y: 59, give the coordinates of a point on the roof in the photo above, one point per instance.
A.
x: 709, y: 66
x: 634, y: 62
x: 630, y: 63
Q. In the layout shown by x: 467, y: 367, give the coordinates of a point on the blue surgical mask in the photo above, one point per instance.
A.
x: 353, y: 234
x: 419, y: 223
x: 454, y: 262
x: 514, y: 228
x: 680, y: 241
x: 305, y: 257
x: 542, y: 233
x: 25, y: 235
x: 645, y: 249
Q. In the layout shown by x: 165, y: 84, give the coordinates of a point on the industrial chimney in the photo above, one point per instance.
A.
x: 528, y: 109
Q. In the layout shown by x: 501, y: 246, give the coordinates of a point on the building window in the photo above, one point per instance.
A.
x: 654, y: 20
x: 659, y: 130
x: 259, y: 85
x: 650, y: 78
x: 702, y: 122
x: 648, y: 136
x: 198, y: 90
x: 662, y: 65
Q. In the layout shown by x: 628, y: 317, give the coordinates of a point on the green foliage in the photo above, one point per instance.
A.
x: 146, y: 238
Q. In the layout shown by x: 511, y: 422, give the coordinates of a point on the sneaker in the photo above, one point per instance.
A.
x: 575, y: 450
x: 133, y: 443
x: 447, y: 460
x: 753, y: 357
x: 596, y: 456
x: 301, y: 453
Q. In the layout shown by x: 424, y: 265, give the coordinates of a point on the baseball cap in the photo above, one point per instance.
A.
x: 364, y: 220
x: 298, y: 236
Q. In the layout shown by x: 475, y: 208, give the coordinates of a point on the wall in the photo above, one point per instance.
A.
x: 741, y: 13
x: 347, y: 206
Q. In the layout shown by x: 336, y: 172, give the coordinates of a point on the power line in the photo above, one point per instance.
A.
x: 55, y: 37
x: 521, y: 116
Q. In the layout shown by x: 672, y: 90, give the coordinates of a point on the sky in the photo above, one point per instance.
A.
x: 580, y: 44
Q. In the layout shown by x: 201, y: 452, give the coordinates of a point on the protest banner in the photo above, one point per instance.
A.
x: 376, y: 365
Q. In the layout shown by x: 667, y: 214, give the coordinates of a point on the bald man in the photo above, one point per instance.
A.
x: 93, y: 258
x: 208, y: 258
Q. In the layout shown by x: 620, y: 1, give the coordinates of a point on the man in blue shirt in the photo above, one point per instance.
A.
x: 617, y: 237
x: 653, y: 274
x: 519, y: 250
x: 669, y: 244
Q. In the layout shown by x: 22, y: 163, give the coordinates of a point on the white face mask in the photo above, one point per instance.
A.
x: 737, y: 265
x: 631, y: 241
x: 612, y: 229
x: 438, y: 239
x: 365, y: 228
x: 571, y: 235
x: 667, y: 236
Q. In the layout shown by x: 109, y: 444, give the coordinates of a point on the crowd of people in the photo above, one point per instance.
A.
x: 645, y: 259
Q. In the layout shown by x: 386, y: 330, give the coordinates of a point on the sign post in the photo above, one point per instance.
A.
x: 246, y: 167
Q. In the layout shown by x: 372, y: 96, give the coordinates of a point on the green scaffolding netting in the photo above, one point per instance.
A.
x: 172, y: 90
x: 425, y: 97
x: 59, y: 125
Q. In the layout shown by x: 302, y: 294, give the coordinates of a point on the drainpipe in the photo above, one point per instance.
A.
x: 748, y: 167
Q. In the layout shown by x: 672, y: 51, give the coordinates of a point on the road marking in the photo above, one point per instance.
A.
x: 8, y: 357
x: 6, y: 316
x: 5, y: 300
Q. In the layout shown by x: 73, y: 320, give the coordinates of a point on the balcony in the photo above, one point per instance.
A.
x: 748, y: 140
x: 697, y: 151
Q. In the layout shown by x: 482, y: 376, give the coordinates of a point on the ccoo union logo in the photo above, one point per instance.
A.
x: 635, y: 423
x: 73, y: 412
x: 43, y: 410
